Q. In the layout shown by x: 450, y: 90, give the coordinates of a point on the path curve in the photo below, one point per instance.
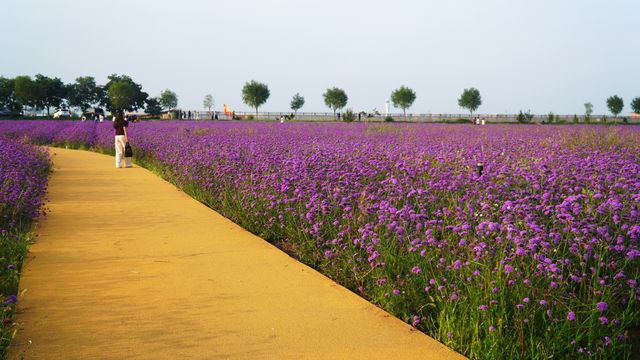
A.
x: 126, y: 266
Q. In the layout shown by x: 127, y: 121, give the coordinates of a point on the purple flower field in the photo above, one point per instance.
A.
x: 537, y: 257
x: 24, y: 170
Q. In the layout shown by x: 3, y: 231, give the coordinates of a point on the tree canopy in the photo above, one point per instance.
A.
x: 403, y: 98
x: 26, y: 91
x: 168, y: 99
x: 7, y: 95
x: 208, y: 101
x: 335, y: 98
x: 635, y: 105
x: 615, y: 105
x: 255, y: 94
x: 588, y: 109
x: 470, y: 100
x: 297, y: 102
x: 84, y: 92
x: 124, y: 94
x: 51, y: 92
x: 153, y: 106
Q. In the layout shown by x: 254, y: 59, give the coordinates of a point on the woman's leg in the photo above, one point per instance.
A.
x: 119, y: 150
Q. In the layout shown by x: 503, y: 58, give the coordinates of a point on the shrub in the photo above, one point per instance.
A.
x: 348, y: 115
x: 459, y: 121
x: 550, y: 118
x: 388, y: 119
x: 524, y: 117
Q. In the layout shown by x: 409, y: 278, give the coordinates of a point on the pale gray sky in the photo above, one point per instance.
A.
x: 542, y: 55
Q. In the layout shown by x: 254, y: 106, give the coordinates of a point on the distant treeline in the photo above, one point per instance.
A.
x: 122, y: 93
x: 42, y: 92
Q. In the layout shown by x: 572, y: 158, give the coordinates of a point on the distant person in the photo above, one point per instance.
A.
x: 215, y: 115
x: 281, y: 119
x: 101, y: 118
x: 338, y: 116
x: 120, y: 124
x: 189, y: 114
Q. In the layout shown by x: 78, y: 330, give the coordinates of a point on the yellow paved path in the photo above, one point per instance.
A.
x: 128, y: 267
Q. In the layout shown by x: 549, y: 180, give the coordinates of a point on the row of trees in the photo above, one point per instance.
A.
x: 121, y: 92
x: 255, y: 94
x: 615, y: 104
x: 42, y: 92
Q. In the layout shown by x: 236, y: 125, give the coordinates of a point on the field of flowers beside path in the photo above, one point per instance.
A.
x: 503, y: 242
x: 126, y: 266
x: 24, y: 169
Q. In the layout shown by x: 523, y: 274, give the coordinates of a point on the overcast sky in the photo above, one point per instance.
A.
x: 542, y: 55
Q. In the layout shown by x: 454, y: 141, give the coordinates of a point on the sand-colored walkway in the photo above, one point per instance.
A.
x: 128, y: 267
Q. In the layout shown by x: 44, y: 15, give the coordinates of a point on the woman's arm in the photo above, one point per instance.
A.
x: 126, y: 138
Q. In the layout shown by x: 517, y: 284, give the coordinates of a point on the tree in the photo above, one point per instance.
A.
x: 168, y: 99
x: 122, y: 93
x: 52, y: 92
x: 7, y: 95
x: 103, y: 96
x: 255, y: 94
x: 208, y: 102
x: 83, y: 93
x: 615, y: 105
x: 470, y: 100
x: 403, y: 98
x: 26, y: 92
x: 588, y: 109
x: 635, y: 105
x: 297, y: 102
x: 153, y: 106
x: 335, y: 98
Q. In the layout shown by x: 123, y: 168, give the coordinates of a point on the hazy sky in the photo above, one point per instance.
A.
x: 542, y: 55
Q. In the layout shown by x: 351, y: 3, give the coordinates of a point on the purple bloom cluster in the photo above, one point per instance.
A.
x: 544, y: 245
x: 24, y: 170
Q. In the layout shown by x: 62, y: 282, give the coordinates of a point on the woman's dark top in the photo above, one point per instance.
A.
x: 119, y: 125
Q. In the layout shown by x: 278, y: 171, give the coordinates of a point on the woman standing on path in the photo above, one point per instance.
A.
x: 120, y: 124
